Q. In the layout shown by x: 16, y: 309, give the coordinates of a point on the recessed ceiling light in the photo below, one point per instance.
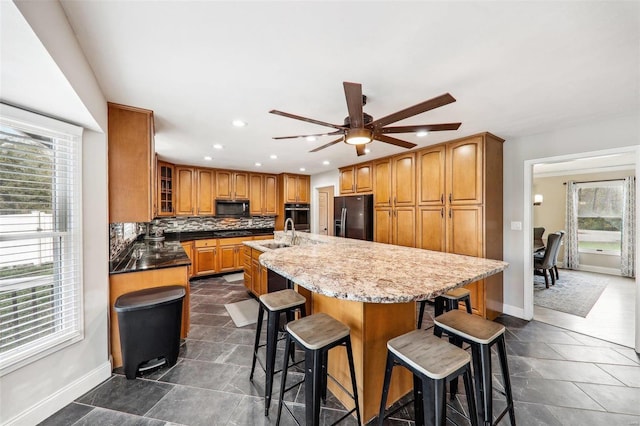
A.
x: 238, y: 123
x: 302, y: 169
x: 326, y: 162
x: 311, y: 138
x: 208, y: 158
x: 422, y: 133
x: 367, y: 150
x: 217, y: 146
x: 273, y: 156
x: 258, y: 164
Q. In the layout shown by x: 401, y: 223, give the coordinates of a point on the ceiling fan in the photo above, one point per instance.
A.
x: 360, y: 128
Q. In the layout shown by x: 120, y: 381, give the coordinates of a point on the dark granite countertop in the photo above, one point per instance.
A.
x: 227, y: 233
x: 146, y: 255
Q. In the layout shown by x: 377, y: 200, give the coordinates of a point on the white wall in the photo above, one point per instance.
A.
x: 32, y: 393
x: 330, y: 178
x: 596, y: 135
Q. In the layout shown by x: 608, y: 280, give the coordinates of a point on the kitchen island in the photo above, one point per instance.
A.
x: 372, y: 288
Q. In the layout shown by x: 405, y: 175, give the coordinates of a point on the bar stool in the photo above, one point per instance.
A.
x: 433, y: 363
x: 276, y: 303
x: 316, y: 334
x: 481, y: 334
x: 447, y: 302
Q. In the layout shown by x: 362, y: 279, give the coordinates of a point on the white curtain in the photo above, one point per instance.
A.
x: 571, y: 256
x: 627, y: 255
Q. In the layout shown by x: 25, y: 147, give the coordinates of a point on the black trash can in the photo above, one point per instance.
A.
x: 149, y: 321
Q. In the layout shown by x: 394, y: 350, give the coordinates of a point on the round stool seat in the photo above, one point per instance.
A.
x: 281, y: 300
x: 429, y: 355
x: 317, y: 330
x: 470, y: 327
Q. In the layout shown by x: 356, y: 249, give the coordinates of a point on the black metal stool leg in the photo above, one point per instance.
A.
x: 471, y: 400
x: 257, y: 341
x: 502, y: 354
x: 273, y: 319
x: 285, y: 368
x: 485, y: 382
x: 423, y: 305
x: 385, y: 387
x: 418, y: 401
x: 353, y: 379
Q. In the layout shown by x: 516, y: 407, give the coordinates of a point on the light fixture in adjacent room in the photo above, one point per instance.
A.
x: 537, y: 199
x: 358, y: 136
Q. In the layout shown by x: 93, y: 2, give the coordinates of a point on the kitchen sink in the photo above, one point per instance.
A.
x: 273, y: 246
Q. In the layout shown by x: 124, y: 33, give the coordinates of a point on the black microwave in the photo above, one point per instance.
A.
x: 232, y: 208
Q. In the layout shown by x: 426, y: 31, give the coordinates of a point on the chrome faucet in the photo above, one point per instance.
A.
x: 293, y: 230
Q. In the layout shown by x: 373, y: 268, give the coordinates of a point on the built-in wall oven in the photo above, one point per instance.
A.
x: 300, y: 214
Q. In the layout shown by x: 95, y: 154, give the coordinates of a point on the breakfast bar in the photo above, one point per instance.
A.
x: 372, y: 288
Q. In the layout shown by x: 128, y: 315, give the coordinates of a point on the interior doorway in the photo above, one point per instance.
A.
x: 325, y: 210
x: 610, y: 319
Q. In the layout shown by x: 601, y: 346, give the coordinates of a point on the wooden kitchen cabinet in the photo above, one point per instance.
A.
x: 263, y: 195
x: 295, y: 188
x: 232, y: 185
x: 395, y: 226
x: 188, y: 248
x: 403, y: 179
x: 186, y: 191
x: 431, y: 175
x: 206, y: 257
x: 230, y: 254
x: 246, y: 263
x: 431, y: 230
x: 465, y: 171
x: 132, y: 163
x: 382, y: 183
x: 205, y: 179
x: 165, y: 190
x: 357, y: 179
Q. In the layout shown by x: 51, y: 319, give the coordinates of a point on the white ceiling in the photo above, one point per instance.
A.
x: 515, y: 68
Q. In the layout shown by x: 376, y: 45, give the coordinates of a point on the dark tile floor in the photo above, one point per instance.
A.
x: 559, y: 377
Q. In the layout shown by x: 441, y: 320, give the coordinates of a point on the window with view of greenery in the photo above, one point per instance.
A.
x: 600, y: 217
x: 40, y: 251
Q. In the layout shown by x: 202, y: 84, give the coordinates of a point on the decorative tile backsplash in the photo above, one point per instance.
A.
x: 122, y: 234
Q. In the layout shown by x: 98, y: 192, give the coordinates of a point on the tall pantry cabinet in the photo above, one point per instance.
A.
x: 460, y: 207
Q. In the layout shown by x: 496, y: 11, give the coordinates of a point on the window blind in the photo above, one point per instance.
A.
x: 40, y: 236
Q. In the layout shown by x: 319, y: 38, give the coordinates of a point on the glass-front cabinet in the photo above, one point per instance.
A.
x: 166, y: 191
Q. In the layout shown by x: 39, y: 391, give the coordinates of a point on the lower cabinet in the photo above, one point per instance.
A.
x: 206, y: 252
x: 188, y: 248
x: 395, y: 225
x: 258, y: 279
x: 230, y: 254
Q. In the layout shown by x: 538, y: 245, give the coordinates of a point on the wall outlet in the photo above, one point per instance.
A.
x: 516, y: 226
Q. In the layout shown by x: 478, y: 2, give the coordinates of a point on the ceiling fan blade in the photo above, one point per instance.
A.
x: 308, y: 120
x: 327, y: 145
x: 393, y: 141
x: 417, y: 128
x: 413, y: 110
x: 337, y: 132
x: 353, y: 93
x: 360, y: 149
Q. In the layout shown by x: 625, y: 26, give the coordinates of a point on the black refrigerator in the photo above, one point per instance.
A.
x: 353, y: 217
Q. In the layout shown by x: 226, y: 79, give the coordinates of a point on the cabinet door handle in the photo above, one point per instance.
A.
x: 389, y: 201
x: 441, y: 198
x: 394, y: 201
x: 442, y: 212
x: 449, y: 197
x: 450, y: 214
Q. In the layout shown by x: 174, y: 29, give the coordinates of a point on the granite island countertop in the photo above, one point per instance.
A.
x: 371, y: 272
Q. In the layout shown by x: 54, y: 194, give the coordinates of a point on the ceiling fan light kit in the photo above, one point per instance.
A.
x: 360, y: 128
x: 358, y: 136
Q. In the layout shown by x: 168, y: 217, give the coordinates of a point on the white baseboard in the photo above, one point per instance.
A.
x: 50, y: 405
x: 600, y: 270
x: 514, y: 311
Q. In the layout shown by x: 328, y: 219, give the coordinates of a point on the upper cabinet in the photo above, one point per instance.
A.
x: 465, y: 171
x: 232, y: 185
x: 382, y: 183
x: 296, y: 188
x: 186, y: 191
x: 262, y: 195
x: 131, y: 154
x: 205, y: 179
x: 403, y: 179
x: 166, y: 191
x: 431, y: 175
x: 356, y: 179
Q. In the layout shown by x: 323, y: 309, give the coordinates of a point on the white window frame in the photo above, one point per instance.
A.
x: 40, y: 348
x: 598, y: 184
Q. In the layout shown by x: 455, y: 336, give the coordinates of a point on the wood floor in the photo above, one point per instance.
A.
x: 612, y: 318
